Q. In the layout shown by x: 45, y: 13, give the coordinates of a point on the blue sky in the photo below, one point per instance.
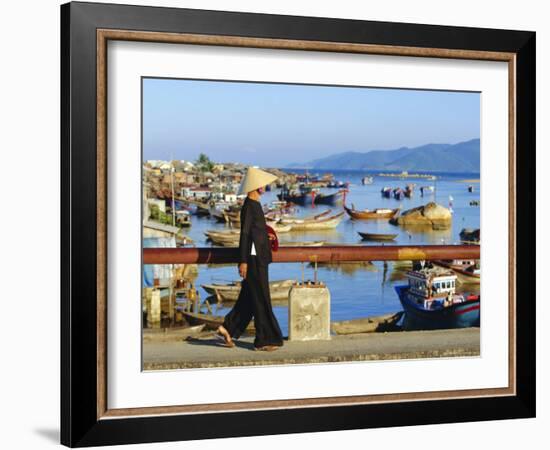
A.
x: 278, y: 124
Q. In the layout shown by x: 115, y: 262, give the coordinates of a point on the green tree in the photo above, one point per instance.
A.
x: 204, y: 163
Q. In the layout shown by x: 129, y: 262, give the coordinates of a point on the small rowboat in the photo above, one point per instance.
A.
x: 377, y: 236
x: 369, y: 214
x: 279, y: 290
x: 320, y: 224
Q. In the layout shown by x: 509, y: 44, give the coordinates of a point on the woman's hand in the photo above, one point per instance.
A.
x: 271, y: 237
x: 242, y: 269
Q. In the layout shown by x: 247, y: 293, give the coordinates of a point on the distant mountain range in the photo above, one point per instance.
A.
x: 460, y: 157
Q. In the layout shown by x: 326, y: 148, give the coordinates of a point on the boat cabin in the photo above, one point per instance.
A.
x: 433, y: 287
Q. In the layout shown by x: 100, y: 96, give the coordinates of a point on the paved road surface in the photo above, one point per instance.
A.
x: 206, y: 352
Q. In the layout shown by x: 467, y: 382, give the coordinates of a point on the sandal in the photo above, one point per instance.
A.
x: 266, y: 348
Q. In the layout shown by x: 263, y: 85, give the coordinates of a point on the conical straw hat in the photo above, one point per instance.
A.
x: 254, y: 179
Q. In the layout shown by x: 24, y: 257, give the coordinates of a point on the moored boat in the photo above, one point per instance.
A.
x: 377, y: 236
x: 323, y: 223
x: 369, y: 214
x: 467, y: 270
x: 387, y: 322
x: 386, y: 192
x: 279, y: 290
x: 367, y: 180
x: 430, y: 301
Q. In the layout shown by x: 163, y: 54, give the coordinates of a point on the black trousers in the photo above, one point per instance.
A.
x: 254, y: 301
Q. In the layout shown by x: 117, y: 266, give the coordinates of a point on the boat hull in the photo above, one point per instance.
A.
x: 376, y: 236
x: 461, y: 315
x: 371, y: 215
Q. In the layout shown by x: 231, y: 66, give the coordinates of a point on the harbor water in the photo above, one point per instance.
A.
x: 357, y: 289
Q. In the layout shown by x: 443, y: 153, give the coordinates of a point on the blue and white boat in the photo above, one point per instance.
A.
x: 430, y: 301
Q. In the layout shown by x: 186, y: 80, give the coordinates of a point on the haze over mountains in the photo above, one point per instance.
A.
x: 460, y: 157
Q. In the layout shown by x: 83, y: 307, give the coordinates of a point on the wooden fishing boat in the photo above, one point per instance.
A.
x: 308, y: 196
x: 279, y: 227
x: 302, y: 244
x: 387, y: 322
x: 329, y: 199
x: 210, y: 322
x: 279, y: 290
x: 289, y: 219
x: 377, y: 236
x: 467, y: 270
x: 371, y: 214
x: 324, y: 223
x: 430, y: 301
x: 233, y: 217
x: 386, y: 192
x: 398, y: 193
x: 202, y: 210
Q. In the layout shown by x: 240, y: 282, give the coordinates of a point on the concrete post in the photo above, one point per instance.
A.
x: 154, y: 310
x: 309, y: 312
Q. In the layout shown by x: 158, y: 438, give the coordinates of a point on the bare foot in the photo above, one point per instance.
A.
x: 221, y: 330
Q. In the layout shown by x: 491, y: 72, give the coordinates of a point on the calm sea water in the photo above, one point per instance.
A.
x: 358, y: 291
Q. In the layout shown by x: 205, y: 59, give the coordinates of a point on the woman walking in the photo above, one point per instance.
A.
x: 254, y: 256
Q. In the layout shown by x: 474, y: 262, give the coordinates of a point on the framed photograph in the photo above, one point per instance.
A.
x: 274, y: 223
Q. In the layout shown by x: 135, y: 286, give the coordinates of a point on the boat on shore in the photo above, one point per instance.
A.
x: 376, y: 236
x: 371, y: 214
x: 386, y: 322
x: 229, y: 292
x: 431, y: 302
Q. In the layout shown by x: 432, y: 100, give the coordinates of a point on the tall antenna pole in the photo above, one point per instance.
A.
x: 172, y: 185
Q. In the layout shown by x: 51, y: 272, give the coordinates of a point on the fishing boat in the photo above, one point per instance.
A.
x: 367, y: 180
x: 202, y: 210
x: 398, y: 193
x: 387, y: 322
x: 291, y: 219
x: 279, y: 227
x: 328, y: 199
x: 279, y: 290
x: 470, y: 236
x: 386, y: 192
x: 183, y: 218
x: 369, y: 214
x: 467, y: 270
x: 430, y: 301
x: 302, y: 243
x: 294, y: 197
x: 323, y: 223
x: 311, y: 196
x: 425, y: 189
x: 377, y: 236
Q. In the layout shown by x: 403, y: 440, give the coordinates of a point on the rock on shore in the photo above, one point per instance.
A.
x: 436, y: 216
